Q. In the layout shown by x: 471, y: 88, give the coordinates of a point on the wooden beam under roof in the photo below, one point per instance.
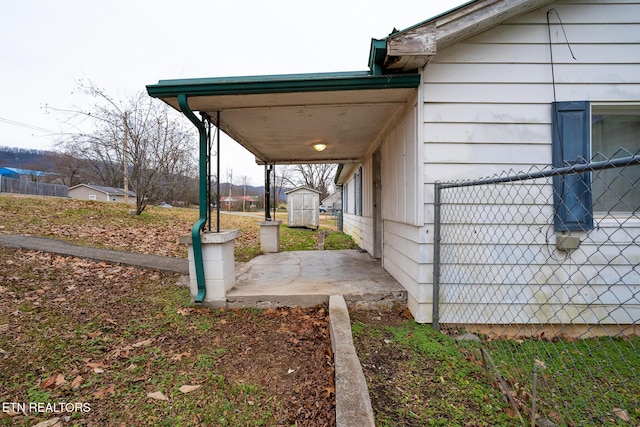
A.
x: 411, y: 49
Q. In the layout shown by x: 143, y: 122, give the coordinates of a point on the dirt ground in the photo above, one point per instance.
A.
x: 75, y: 330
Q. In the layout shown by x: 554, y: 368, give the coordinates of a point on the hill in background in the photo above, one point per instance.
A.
x: 25, y: 158
x: 43, y: 160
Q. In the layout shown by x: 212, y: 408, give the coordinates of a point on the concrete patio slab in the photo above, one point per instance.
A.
x: 307, y: 278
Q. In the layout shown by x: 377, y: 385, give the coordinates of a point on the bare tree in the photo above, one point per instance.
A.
x: 284, y: 175
x: 68, y: 169
x: 139, y: 132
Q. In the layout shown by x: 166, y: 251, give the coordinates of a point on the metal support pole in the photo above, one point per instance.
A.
x: 218, y: 171
x: 267, y: 193
x: 436, y: 256
x: 275, y: 193
x: 206, y: 119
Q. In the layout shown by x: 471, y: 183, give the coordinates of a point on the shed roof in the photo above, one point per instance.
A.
x: 297, y: 189
x: 111, y: 191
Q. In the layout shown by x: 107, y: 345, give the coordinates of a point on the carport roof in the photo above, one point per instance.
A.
x: 279, y: 118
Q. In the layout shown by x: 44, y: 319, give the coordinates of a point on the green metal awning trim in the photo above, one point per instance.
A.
x: 376, y: 55
x: 284, y: 83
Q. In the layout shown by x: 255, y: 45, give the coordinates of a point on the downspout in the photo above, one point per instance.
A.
x: 202, y: 220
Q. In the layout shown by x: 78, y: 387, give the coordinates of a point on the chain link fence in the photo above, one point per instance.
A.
x: 556, y: 306
x: 23, y: 186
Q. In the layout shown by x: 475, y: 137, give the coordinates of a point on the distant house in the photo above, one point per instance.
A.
x: 333, y: 201
x: 27, y: 174
x: 238, y: 202
x: 100, y: 193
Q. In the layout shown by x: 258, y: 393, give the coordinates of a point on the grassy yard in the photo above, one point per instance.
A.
x: 127, y: 346
x: 588, y: 382
x: 127, y: 342
x: 418, y: 376
x: 113, y: 345
x: 155, y: 231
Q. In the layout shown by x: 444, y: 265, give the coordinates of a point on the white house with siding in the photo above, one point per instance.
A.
x: 490, y: 72
x: 469, y: 93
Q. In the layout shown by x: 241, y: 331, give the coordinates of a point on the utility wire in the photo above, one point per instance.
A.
x: 25, y: 125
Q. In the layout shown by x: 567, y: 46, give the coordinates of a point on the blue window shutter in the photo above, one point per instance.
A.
x: 571, y: 139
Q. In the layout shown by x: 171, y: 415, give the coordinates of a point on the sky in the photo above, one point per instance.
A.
x: 47, y: 47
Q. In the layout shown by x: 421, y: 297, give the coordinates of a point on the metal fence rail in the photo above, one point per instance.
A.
x: 557, y: 311
x: 23, y: 186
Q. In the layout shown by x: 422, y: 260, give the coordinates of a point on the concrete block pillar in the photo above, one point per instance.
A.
x: 219, y: 266
x: 270, y: 236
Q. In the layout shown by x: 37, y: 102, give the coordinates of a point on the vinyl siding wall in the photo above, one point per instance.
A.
x: 85, y: 193
x: 487, y: 100
x: 405, y: 237
x: 360, y: 227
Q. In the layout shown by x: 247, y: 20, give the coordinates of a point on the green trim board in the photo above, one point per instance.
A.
x: 376, y: 55
x: 284, y: 83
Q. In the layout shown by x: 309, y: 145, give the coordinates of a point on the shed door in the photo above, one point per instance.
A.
x: 304, y: 208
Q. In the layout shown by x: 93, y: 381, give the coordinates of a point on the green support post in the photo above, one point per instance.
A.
x: 202, y: 220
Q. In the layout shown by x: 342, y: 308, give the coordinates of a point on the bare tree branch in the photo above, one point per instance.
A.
x: 159, y: 152
x: 316, y: 176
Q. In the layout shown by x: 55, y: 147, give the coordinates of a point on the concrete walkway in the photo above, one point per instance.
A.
x: 154, y: 262
x: 304, y: 278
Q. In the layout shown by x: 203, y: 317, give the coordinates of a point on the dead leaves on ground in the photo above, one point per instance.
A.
x: 105, y: 391
x: 55, y: 380
x: 99, y: 224
x: 110, y: 226
x: 157, y: 396
x: 112, y: 337
x: 189, y: 388
x: 178, y: 357
x: 59, y: 381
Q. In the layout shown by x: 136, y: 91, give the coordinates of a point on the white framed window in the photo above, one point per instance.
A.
x: 345, y: 197
x: 92, y: 197
x: 615, y: 133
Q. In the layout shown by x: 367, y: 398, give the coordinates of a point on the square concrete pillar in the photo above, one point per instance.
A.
x: 270, y: 236
x: 219, y: 266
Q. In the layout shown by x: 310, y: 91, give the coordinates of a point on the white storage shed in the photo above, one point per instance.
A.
x: 303, y: 207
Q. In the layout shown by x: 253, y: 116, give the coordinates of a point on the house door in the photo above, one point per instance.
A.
x: 377, y: 204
